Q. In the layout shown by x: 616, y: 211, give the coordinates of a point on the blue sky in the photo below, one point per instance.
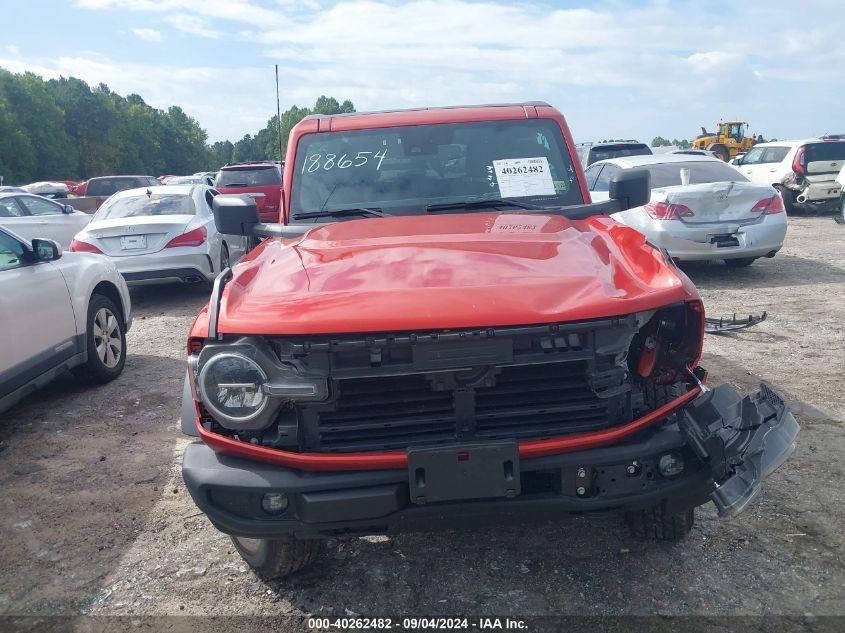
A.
x: 614, y: 68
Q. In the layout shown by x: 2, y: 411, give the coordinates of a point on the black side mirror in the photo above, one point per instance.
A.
x: 234, y: 215
x: 46, y: 250
x: 631, y: 187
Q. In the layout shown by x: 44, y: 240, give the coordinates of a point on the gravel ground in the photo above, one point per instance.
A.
x: 95, y: 519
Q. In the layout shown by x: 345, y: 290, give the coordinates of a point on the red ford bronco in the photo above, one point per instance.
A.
x: 443, y: 330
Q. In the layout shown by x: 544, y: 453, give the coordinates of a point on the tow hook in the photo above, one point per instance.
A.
x: 742, y: 439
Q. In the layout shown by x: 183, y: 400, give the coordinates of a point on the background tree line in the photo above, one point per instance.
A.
x: 64, y: 129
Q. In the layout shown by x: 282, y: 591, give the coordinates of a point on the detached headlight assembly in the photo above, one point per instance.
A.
x: 232, y: 387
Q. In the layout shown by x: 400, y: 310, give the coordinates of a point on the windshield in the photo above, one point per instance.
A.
x: 251, y: 177
x: 406, y: 170
x: 146, y: 205
x: 107, y: 186
x: 616, y: 151
x: 829, y: 150
x: 669, y: 174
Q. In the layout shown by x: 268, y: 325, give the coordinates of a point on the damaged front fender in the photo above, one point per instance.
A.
x: 742, y: 439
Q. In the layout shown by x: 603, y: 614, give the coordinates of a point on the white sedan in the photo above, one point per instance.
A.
x: 161, y: 234
x: 59, y: 312
x: 700, y: 208
x: 32, y: 216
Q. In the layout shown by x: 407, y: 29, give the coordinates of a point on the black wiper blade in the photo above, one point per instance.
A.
x: 233, y: 184
x: 341, y: 213
x: 480, y: 204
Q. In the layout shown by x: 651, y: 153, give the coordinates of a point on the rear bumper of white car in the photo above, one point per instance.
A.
x: 718, y: 241
x: 166, y: 267
x: 819, y: 192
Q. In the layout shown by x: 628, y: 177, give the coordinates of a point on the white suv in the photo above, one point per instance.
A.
x: 60, y: 311
x: 803, y: 171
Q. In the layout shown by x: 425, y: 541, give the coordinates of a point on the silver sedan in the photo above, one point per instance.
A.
x: 700, y: 208
x: 161, y: 234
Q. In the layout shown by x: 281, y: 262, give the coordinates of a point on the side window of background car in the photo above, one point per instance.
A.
x: 11, y: 253
x: 209, y: 196
x: 39, y: 206
x: 603, y: 181
x: 10, y: 209
x: 591, y: 174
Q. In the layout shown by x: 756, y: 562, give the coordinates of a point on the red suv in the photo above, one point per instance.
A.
x: 446, y: 331
x: 262, y: 179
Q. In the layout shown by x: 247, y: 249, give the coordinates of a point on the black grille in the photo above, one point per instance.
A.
x: 395, y: 412
x: 539, y: 401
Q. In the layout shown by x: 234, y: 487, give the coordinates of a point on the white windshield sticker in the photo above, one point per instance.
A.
x: 522, y: 177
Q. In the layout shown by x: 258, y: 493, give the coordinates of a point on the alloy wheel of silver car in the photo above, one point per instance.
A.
x: 107, y: 339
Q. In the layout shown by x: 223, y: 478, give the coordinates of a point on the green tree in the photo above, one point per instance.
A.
x: 37, y: 112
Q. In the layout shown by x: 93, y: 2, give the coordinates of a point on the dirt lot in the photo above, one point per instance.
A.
x: 95, y: 518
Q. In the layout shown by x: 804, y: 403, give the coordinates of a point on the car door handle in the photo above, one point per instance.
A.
x: 773, y: 169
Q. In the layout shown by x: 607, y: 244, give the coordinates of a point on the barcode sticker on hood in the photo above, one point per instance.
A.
x: 523, y: 177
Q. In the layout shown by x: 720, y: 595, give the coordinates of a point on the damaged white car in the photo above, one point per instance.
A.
x: 700, y: 208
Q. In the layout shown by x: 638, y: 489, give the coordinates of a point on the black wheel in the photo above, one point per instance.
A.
x: 842, y: 209
x: 276, y: 559
x: 788, y: 199
x: 106, y: 341
x: 741, y: 262
x: 721, y: 151
x: 655, y: 524
x: 224, y: 257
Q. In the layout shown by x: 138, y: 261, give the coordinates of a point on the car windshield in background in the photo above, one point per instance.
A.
x: 146, y: 205
x: 406, y: 170
x: 828, y: 150
x: 187, y: 180
x: 248, y: 177
x: 669, y: 174
x: 617, y: 151
x: 107, y: 186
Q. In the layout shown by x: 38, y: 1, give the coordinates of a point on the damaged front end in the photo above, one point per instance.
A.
x: 741, y: 439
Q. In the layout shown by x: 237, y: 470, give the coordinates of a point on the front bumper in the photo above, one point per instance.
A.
x: 729, y: 445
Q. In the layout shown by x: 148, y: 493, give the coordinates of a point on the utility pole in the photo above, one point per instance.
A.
x: 279, y: 115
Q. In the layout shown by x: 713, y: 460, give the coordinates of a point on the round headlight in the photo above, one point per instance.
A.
x: 230, y: 386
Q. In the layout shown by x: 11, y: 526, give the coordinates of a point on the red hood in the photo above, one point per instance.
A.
x: 447, y: 271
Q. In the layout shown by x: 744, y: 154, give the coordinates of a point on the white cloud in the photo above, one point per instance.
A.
x: 13, y: 50
x: 148, y: 35
x: 615, y: 69
x: 192, y: 24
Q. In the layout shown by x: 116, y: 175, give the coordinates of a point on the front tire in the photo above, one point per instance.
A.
x: 741, y: 262
x: 277, y: 558
x: 656, y: 524
x: 106, y: 342
x: 720, y: 151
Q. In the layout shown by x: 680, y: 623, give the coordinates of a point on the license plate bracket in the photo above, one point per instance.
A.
x: 130, y: 242
x: 467, y: 471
